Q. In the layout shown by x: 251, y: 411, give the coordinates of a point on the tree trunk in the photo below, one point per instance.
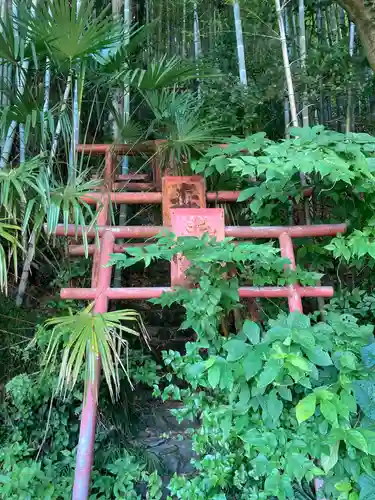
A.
x: 361, y: 13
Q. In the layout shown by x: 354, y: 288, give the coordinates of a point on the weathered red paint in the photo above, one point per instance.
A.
x: 79, y: 250
x: 267, y: 232
x: 121, y: 149
x: 144, y: 293
x: 182, y: 192
x: 85, y: 449
x: 246, y: 232
x: 287, y: 251
x: 154, y: 198
x: 127, y: 198
x: 193, y: 222
x: 139, y: 232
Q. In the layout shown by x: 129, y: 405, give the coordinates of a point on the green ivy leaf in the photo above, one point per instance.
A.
x: 252, y: 331
x: 306, y: 408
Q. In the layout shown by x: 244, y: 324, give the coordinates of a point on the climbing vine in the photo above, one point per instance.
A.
x: 264, y: 395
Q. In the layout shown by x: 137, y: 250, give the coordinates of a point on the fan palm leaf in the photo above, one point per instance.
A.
x: 65, y: 204
x: 16, y: 183
x: 180, y: 122
x: 73, y: 30
x: 163, y: 73
x: 86, y: 336
x: 8, y: 237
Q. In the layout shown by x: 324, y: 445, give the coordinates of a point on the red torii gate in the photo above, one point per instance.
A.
x: 177, y: 192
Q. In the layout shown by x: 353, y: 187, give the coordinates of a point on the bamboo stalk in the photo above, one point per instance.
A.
x: 63, y: 107
x: 288, y: 73
x: 26, y: 269
x: 240, y: 45
x: 302, y: 48
x: 349, y: 108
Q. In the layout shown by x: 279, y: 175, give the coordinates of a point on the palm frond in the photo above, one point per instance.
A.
x: 65, y: 204
x: 130, y: 131
x: 164, y: 73
x: 9, y: 46
x: 8, y: 237
x: 72, y: 30
x: 180, y: 121
x: 165, y: 103
x: 15, y: 184
x: 115, y: 58
x: 24, y: 107
x: 85, y: 336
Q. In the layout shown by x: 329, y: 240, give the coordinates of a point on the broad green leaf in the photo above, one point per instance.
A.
x: 299, y: 362
x: 365, y: 395
x: 261, y: 465
x: 272, y: 484
x: 329, y: 411
x: 349, y: 401
x: 368, y: 354
x: 226, y: 425
x: 298, y: 321
x: 285, y: 393
x: 274, y: 406
x: 236, y: 349
x: 306, y: 408
x: 277, y: 333
x: 244, y: 395
x: 271, y: 370
x: 214, y: 375
x: 369, y: 436
x: 252, y: 364
x: 348, y: 360
x: 245, y: 195
x: 343, y: 486
x: 304, y: 338
x: 329, y: 461
x: 356, y: 439
x: 367, y: 487
x: 318, y: 356
x: 252, y: 331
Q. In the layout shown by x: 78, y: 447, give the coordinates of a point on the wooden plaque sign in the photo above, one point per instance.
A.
x: 193, y: 222
x: 182, y: 192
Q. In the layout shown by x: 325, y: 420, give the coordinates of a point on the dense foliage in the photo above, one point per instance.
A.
x: 278, y: 407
